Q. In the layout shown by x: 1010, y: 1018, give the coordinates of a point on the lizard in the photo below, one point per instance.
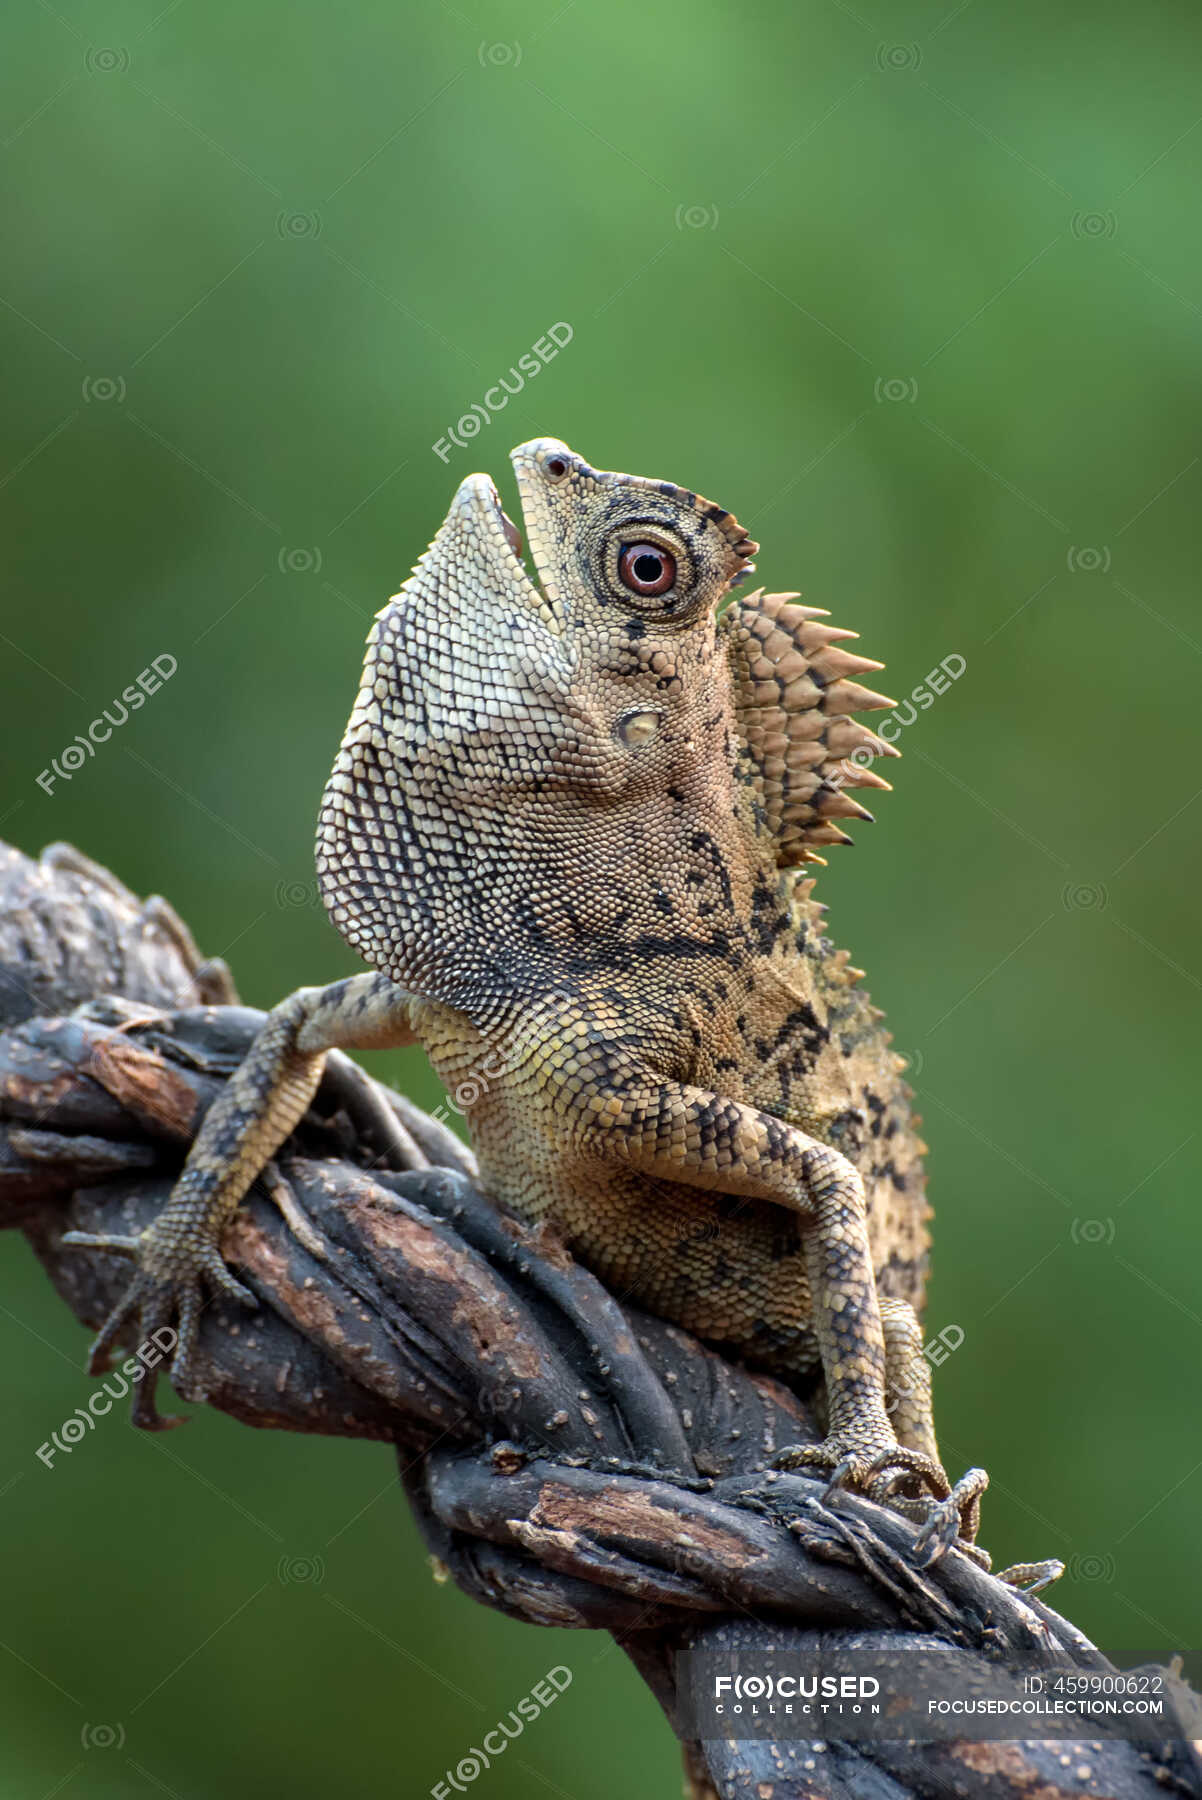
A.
x: 568, y: 830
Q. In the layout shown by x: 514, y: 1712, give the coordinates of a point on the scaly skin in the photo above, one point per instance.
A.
x: 567, y: 827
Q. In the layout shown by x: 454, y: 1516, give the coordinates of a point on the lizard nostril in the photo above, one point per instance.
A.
x: 556, y: 468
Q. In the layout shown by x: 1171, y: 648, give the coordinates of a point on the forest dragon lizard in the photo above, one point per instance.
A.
x: 569, y: 821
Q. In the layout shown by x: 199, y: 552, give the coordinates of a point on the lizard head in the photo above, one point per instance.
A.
x: 631, y: 572
x: 624, y: 554
x: 513, y: 728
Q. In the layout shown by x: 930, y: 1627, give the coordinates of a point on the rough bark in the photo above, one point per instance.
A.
x: 571, y: 1461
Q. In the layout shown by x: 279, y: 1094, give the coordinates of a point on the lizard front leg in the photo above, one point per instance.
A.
x: 688, y: 1135
x: 265, y: 1098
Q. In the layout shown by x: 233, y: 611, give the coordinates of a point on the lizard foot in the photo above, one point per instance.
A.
x: 953, y: 1521
x: 166, y: 1295
x: 949, y: 1515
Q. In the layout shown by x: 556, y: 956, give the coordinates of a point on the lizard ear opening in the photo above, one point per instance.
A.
x: 793, y: 697
x: 637, y: 728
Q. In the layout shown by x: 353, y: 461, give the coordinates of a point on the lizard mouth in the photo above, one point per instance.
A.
x: 498, y: 544
x: 513, y: 536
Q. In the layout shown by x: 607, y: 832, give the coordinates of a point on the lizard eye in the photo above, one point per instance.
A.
x: 646, y: 569
x: 647, y: 559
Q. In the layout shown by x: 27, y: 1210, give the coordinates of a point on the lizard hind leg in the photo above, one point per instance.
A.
x: 957, y: 1514
x: 907, y: 1378
x: 178, y: 1254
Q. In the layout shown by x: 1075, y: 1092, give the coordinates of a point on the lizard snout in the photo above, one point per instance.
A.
x: 548, y: 457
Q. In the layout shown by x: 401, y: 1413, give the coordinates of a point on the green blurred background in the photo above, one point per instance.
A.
x: 917, y: 296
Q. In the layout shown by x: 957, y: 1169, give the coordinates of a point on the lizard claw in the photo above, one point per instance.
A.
x: 952, y: 1522
x: 848, y: 1472
x: 212, y: 1265
x: 848, y: 1466
x: 949, y: 1515
x: 938, y: 1535
x: 161, y: 1307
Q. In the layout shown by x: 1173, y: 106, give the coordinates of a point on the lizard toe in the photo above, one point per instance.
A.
x: 210, y: 1264
x: 849, y: 1472
x: 847, y: 1465
x: 938, y: 1535
x: 101, y: 1348
x: 953, y: 1520
x: 156, y: 1318
x: 160, y: 1305
x: 1031, y: 1577
x: 130, y: 1303
x: 899, y: 1465
x: 144, y: 1314
x: 185, y: 1375
x: 116, y: 1242
x: 825, y: 1455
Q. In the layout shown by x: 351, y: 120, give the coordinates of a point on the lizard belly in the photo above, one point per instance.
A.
x: 729, y: 1269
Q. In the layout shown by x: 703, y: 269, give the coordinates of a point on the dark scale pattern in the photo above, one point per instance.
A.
x: 565, y: 824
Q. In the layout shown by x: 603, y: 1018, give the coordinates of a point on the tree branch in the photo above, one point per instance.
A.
x: 570, y: 1460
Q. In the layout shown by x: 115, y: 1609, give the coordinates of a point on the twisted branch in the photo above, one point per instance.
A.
x: 570, y: 1460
